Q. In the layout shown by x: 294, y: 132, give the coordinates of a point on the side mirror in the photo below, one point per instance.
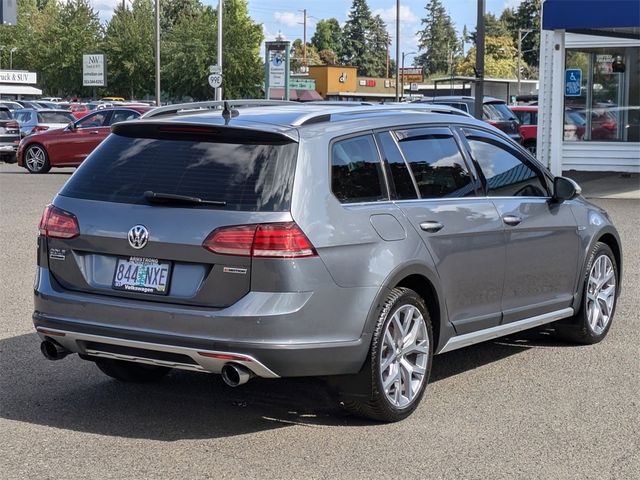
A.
x: 565, y: 189
x: 72, y: 126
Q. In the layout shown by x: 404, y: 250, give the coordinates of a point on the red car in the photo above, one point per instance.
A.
x: 68, y: 147
x: 528, y: 118
x: 79, y: 110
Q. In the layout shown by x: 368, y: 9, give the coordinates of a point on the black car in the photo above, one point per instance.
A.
x: 9, y: 135
x: 494, y: 111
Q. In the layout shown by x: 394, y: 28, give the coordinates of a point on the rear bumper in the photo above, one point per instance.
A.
x: 283, y: 334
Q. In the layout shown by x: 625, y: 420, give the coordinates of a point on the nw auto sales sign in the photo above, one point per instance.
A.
x: 94, y: 70
x: 8, y: 76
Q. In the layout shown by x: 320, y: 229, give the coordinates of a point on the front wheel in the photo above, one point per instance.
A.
x: 36, y: 159
x: 593, y: 320
x: 399, y: 360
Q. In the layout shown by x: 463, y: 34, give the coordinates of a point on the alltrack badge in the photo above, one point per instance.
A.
x: 138, y: 236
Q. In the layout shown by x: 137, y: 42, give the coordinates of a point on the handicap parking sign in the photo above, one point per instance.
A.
x: 572, y: 82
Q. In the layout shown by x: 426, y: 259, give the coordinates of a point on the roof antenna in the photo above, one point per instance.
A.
x: 228, y: 113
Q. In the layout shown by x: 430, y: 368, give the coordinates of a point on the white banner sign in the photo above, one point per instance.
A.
x: 277, y: 69
x: 11, y: 76
x: 94, y: 70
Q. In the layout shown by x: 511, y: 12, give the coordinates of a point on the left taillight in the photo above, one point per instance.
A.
x: 58, y: 223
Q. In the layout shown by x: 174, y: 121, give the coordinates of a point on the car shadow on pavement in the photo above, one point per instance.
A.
x: 72, y: 394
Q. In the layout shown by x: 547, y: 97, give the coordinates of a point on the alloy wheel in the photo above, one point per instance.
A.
x: 601, y: 294
x: 35, y: 158
x: 404, y: 356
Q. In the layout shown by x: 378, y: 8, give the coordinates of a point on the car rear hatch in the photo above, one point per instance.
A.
x: 9, y: 128
x: 500, y: 116
x: 135, y: 219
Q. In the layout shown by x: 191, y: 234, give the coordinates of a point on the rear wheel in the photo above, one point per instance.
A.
x: 131, y: 372
x: 592, y: 322
x: 36, y: 159
x: 399, y: 360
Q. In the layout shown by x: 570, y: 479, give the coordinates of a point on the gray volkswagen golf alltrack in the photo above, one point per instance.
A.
x: 349, y: 242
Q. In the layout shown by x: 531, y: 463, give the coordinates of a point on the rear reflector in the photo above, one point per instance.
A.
x: 271, y: 240
x: 51, y: 333
x: 57, y: 223
x: 225, y: 356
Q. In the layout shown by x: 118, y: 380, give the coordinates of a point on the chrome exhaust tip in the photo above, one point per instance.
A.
x: 53, y: 351
x: 234, y: 374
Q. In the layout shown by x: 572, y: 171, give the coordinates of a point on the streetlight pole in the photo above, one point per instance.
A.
x: 11, y: 52
x: 219, y: 56
x: 521, y: 37
x: 158, y: 53
x: 402, y: 71
x: 397, y: 49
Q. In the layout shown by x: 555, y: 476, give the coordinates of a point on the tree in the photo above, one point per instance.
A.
x: 172, y: 10
x: 526, y: 16
x: 363, y: 38
x: 499, y: 61
x: 493, y: 27
x: 438, y: 39
x: 297, y: 55
x: 129, y: 45
x: 328, y: 36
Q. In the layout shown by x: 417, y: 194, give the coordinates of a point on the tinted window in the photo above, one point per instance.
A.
x: 526, y: 117
x: 21, y: 116
x: 122, y: 115
x: 506, y: 174
x: 55, y: 117
x: 400, y: 176
x: 436, y: 163
x: 5, y: 115
x: 498, y: 112
x: 94, y: 120
x: 356, y: 172
x: 246, y: 176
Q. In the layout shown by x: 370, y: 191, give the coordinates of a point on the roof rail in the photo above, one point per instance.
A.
x: 326, y: 115
x: 198, y: 107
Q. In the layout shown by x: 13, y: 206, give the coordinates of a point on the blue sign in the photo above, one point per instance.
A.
x: 572, y: 82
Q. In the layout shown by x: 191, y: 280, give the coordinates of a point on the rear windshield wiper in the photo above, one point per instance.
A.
x: 169, y: 198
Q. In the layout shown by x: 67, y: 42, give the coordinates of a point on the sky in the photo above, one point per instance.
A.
x: 285, y: 16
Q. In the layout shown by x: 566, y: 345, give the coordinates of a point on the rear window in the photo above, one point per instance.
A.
x: 5, y: 115
x: 497, y: 112
x: 256, y: 177
x: 55, y: 117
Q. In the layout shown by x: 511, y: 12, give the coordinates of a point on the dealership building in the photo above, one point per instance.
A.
x: 589, y: 87
x: 18, y: 85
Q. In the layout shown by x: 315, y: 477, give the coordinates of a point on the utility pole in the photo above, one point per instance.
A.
x: 158, y: 53
x: 479, y: 97
x: 304, y: 41
x: 397, y: 50
x: 521, y: 37
x: 219, y: 56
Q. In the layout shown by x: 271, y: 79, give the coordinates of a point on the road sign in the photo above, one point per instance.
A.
x: 215, y: 69
x: 277, y: 70
x: 215, y: 80
x: 572, y: 82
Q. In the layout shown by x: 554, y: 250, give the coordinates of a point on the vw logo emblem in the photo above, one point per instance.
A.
x: 138, y: 236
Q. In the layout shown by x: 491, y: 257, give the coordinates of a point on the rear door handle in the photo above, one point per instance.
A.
x: 511, y: 220
x: 431, y: 226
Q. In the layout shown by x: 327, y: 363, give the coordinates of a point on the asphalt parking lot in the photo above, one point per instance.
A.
x: 520, y: 407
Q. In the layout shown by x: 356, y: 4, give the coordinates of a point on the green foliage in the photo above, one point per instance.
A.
x: 500, y: 59
x: 364, y: 41
x: 297, y: 55
x: 438, y: 40
x: 129, y: 45
x: 328, y: 36
x: 526, y: 16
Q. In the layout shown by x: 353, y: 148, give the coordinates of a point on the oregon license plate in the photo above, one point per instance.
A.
x: 144, y: 275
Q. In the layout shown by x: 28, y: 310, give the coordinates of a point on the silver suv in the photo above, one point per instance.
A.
x: 287, y: 240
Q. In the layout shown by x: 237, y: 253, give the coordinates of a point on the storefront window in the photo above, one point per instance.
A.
x: 607, y: 106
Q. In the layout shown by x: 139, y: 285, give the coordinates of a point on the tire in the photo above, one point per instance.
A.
x: 36, y: 159
x: 532, y: 147
x: 131, y: 372
x: 403, y: 311
x: 598, y: 304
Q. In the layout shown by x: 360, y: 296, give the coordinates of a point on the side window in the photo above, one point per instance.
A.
x: 122, y: 115
x: 356, y: 171
x: 436, y: 162
x: 506, y: 174
x: 93, y: 120
x: 399, y: 172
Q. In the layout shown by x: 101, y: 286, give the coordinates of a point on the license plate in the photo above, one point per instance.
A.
x: 143, y: 275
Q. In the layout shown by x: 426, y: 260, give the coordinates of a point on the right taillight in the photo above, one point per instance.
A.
x: 267, y: 240
x: 40, y: 128
x: 57, y: 223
